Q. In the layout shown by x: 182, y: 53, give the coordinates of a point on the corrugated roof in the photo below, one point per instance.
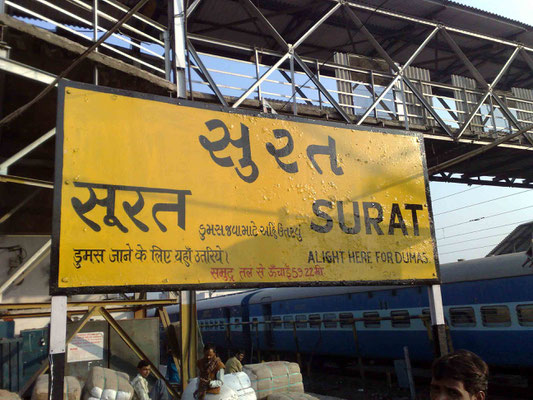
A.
x: 483, y: 12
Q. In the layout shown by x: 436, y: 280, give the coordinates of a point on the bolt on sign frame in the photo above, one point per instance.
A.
x: 156, y: 194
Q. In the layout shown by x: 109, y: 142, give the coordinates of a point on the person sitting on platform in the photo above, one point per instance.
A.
x: 140, y: 385
x: 234, y: 364
x: 211, y: 376
x: 461, y: 375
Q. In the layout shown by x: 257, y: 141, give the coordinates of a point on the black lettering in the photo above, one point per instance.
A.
x: 321, y: 214
x: 372, y: 222
x: 396, y: 213
x: 356, y: 217
x: 414, y: 208
x: 291, y: 168
x: 329, y: 150
x: 398, y: 257
x: 242, y: 143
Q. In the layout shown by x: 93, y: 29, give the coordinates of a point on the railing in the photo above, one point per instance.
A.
x: 141, y: 41
x: 452, y: 103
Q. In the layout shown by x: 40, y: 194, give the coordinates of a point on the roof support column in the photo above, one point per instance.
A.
x: 179, y: 47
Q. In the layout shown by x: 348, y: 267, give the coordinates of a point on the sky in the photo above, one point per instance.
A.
x: 520, y: 10
x: 458, y: 236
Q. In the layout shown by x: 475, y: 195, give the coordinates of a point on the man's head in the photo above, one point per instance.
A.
x: 144, y: 368
x: 459, y: 376
x: 210, y: 351
x: 239, y: 354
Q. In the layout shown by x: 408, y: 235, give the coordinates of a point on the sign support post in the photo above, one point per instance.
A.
x: 58, y: 338
x: 438, y: 326
x: 189, y: 337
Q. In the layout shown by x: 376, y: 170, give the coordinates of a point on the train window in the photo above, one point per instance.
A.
x: 371, y: 319
x: 314, y: 320
x: 496, y: 316
x: 301, y: 324
x: 525, y: 314
x: 463, y: 316
x: 276, y: 322
x: 346, y: 319
x: 329, y: 320
x: 287, y: 325
x: 400, y: 319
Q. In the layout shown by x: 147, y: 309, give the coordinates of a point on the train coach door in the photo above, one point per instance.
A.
x: 267, y: 315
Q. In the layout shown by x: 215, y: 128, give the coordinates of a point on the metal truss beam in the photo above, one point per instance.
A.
x: 446, y: 164
x: 427, y: 106
x: 462, y: 56
x: 373, y: 9
x: 19, y: 111
x: 133, y: 346
x: 290, y: 52
x: 192, y: 7
x: 13, y: 159
x: 26, y: 181
x: 207, y: 75
x: 527, y: 58
x: 260, y: 80
x: 11, y: 212
x: 479, y: 180
x: 320, y: 87
x: 505, y: 110
x: 27, y: 267
x: 490, y: 88
x: 106, y: 303
x: 296, y: 88
x: 398, y: 71
x: 26, y: 71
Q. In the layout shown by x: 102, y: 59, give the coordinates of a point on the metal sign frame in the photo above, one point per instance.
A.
x: 58, y: 185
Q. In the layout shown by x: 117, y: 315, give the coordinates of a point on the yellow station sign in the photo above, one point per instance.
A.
x: 154, y: 194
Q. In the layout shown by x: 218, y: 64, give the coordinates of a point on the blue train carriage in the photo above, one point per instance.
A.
x: 216, y: 314
x: 488, y: 308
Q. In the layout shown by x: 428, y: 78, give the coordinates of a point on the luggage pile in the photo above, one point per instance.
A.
x: 6, y: 395
x: 275, y: 377
x: 241, y: 384
x: 107, y: 384
x: 71, y: 388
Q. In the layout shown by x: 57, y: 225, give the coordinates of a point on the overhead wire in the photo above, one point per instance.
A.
x: 456, y: 193
x: 472, y: 248
x: 471, y: 240
x: 484, y: 229
x: 482, y: 202
x: 487, y: 217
